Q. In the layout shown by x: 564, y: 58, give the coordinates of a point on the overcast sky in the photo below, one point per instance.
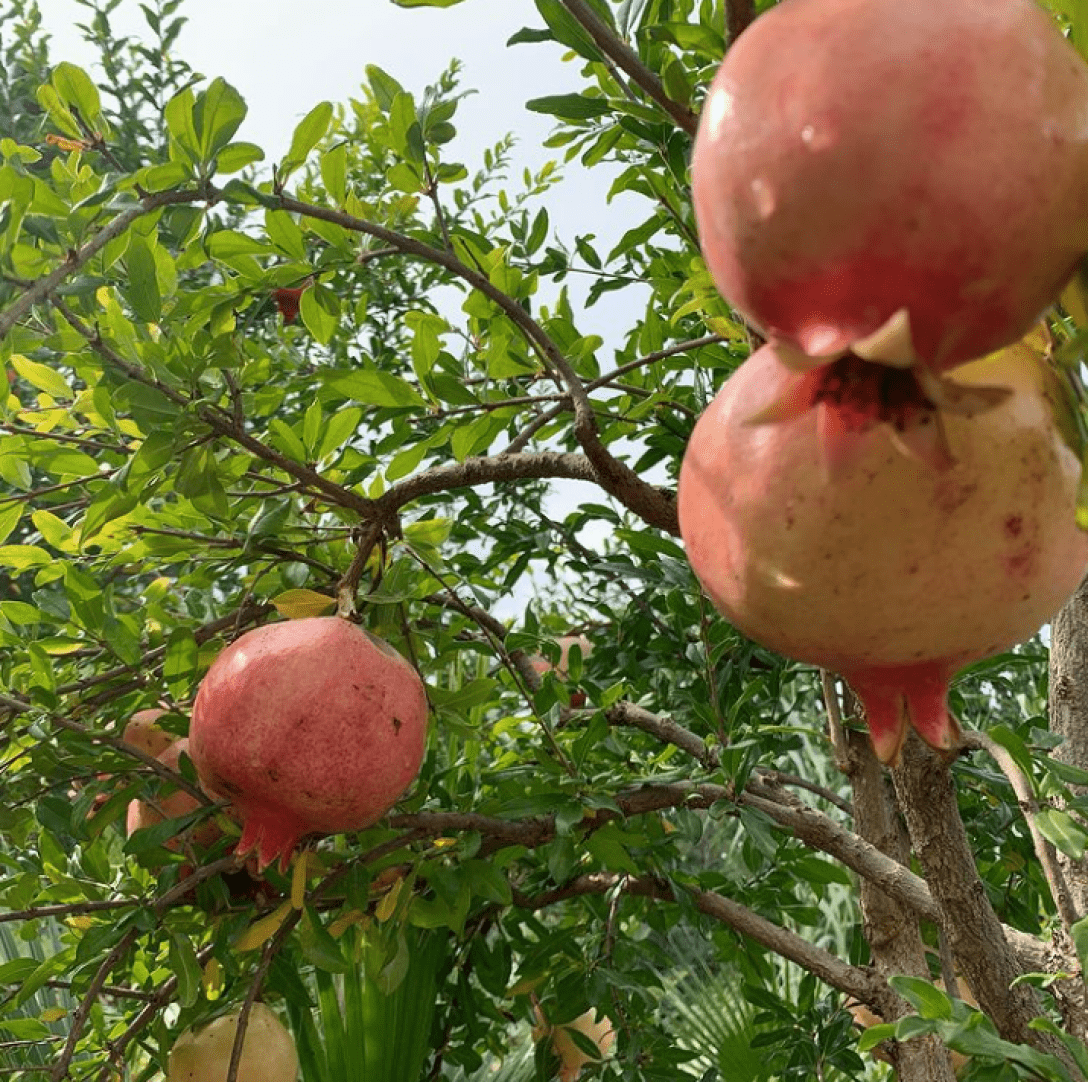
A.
x: 284, y: 56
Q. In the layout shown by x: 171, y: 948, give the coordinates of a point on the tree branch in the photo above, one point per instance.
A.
x: 1021, y: 785
x: 656, y: 507
x: 43, y: 287
x: 852, y: 980
x: 627, y: 59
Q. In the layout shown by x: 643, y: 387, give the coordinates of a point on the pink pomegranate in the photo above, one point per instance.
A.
x: 178, y: 803
x: 308, y: 726
x: 861, y: 158
x: 885, y: 570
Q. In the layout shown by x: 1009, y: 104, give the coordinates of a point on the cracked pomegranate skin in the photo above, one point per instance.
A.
x: 307, y: 726
x: 888, y: 572
x: 858, y: 157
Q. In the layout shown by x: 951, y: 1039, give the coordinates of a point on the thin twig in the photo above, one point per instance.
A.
x: 1029, y: 807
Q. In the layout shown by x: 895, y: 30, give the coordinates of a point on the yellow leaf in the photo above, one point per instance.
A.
x: 343, y: 922
x: 298, y: 880
x: 53, y: 1014
x: 213, y: 978
x: 1074, y: 299
x: 261, y: 931
x: 81, y: 924
x: 388, y: 905
x: 727, y: 328
x: 297, y: 604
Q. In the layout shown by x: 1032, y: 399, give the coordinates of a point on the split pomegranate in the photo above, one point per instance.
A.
x: 888, y: 571
x: 859, y: 159
x: 308, y: 726
x: 268, y: 1050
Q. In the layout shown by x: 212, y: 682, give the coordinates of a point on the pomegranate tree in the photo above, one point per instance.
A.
x: 308, y: 726
x: 923, y: 167
x: 882, y: 568
x: 268, y: 1050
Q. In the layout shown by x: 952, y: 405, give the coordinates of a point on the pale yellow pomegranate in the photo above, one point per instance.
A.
x: 823, y: 538
x: 268, y: 1051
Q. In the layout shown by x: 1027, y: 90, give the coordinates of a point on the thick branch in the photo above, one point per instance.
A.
x: 738, y: 17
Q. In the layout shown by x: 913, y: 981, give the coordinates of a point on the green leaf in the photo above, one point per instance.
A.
x: 383, y: 86
x: 217, y: 115
x: 320, y: 312
x: 185, y: 967
x: 143, y: 283
x: 1061, y: 830
x: 334, y: 173
x: 318, y: 946
x: 180, y: 125
x: 236, y: 156
x: 570, y: 106
x: 43, y: 377
x: 77, y: 91
x: 309, y: 131
x: 374, y: 388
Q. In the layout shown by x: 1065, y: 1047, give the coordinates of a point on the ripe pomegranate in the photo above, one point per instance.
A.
x: 571, y: 1057
x: 178, y: 803
x: 308, y: 726
x: 888, y: 571
x: 142, y: 732
x: 859, y: 159
x: 542, y: 665
x: 203, y: 1055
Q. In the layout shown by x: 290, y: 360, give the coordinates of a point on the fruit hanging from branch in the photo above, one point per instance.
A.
x: 885, y: 570
x: 307, y: 726
x: 268, y: 1050
x: 911, y: 173
x: 142, y: 814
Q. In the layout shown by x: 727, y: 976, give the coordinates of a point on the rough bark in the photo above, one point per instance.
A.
x: 1069, y: 718
x: 1069, y: 710
x: 892, y: 931
x: 926, y: 792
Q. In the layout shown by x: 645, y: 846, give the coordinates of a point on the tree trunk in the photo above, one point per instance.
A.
x: 1069, y: 719
x: 892, y: 931
x: 1069, y: 711
x: 927, y: 796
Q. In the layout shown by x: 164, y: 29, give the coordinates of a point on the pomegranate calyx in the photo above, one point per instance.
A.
x: 272, y: 837
x: 889, y: 344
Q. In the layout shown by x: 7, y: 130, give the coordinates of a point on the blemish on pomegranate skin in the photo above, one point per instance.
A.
x: 1021, y: 563
x: 1014, y: 525
x: 396, y: 724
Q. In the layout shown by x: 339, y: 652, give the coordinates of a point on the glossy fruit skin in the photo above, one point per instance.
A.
x: 858, y: 157
x: 889, y: 572
x: 268, y: 1050
x: 307, y: 726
